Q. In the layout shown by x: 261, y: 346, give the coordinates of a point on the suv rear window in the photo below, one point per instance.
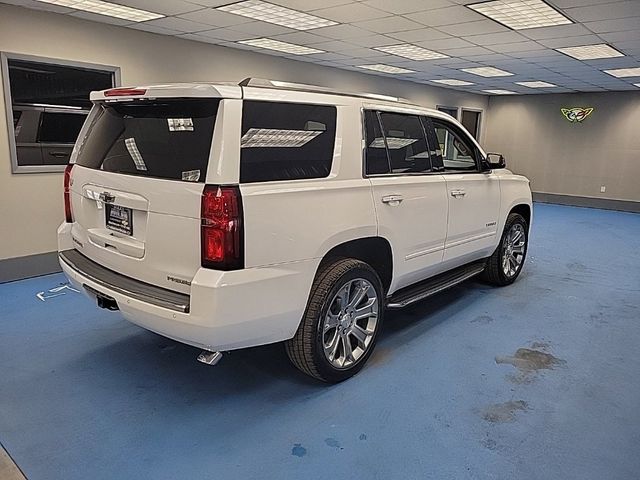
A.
x: 286, y: 141
x: 168, y: 139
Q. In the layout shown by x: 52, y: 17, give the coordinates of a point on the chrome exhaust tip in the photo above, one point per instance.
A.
x: 209, y: 358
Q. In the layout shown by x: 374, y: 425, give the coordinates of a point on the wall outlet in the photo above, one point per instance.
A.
x: 603, y: 188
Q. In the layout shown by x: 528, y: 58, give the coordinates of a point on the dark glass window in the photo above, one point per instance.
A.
x: 163, y: 138
x: 453, y: 111
x: 286, y: 141
x: 471, y: 121
x: 458, y: 152
x: 16, y: 118
x: 60, y: 127
x: 41, y: 93
x: 406, y: 143
x: 377, y: 160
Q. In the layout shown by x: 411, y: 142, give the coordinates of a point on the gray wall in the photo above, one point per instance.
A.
x: 31, y: 204
x: 564, y: 158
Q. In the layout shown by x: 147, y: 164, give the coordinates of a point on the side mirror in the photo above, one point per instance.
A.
x: 496, y: 160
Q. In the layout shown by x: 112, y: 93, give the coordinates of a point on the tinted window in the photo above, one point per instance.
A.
x: 376, y: 153
x: 286, y: 141
x: 406, y: 143
x: 458, y: 152
x: 60, y: 127
x: 16, y: 118
x: 471, y: 121
x: 453, y: 111
x: 163, y: 138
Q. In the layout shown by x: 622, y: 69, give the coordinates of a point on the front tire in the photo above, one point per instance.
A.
x: 505, y: 265
x: 340, y: 325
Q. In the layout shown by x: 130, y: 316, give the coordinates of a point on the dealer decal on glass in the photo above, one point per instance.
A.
x: 576, y: 114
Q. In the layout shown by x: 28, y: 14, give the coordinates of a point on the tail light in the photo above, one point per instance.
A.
x: 222, y: 230
x: 68, y: 214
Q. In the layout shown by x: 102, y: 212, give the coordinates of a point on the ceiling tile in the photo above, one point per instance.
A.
x: 571, y: 41
x: 444, y: 43
x: 372, y: 41
x: 301, y: 38
x: 607, y: 26
x: 496, y: 38
x: 226, y: 34
x: 215, y: 18
x: 351, y: 12
x: 447, y: 16
x: 406, y: 6
x: 419, y: 35
x: 516, y: 47
x: 342, y: 32
x: 605, y: 11
x: 480, y: 27
x: 102, y: 18
x: 165, y: 7
x: 307, y: 5
x: 333, y: 46
x: 389, y: 24
x: 558, y: 31
x: 180, y: 24
x: 262, y: 29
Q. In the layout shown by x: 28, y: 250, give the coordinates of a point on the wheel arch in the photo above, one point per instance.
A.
x: 524, y: 210
x: 375, y: 251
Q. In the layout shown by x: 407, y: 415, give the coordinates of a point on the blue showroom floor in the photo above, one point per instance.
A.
x: 447, y: 395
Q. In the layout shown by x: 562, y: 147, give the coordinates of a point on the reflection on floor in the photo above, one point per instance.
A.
x: 535, y: 381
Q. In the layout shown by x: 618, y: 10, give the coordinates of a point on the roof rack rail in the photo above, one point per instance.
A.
x: 302, y: 87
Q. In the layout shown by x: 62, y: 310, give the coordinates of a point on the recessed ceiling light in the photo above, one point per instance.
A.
x: 500, y: 92
x: 538, y: 84
x: 381, y: 67
x: 268, y: 12
x: 452, y: 81
x: 279, y: 46
x: 591, y: 52
x: 487, y: 72
x: 624, y: 72
x: 412, y: 52
x: 521, y: 14
x: 108, y: 9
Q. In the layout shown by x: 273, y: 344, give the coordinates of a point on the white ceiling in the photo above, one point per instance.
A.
x: 446, y: 26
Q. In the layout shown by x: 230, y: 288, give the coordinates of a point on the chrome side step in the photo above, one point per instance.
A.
x: 431, y: 286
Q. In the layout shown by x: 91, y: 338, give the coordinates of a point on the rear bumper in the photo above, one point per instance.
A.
x: 224, y: 310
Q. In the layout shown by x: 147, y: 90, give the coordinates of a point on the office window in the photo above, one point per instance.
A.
x: 452, y: 111
x: 377, y: 161
x: 47, y: 102
x: 471, y: 121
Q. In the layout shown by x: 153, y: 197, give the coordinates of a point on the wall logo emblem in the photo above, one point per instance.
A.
x: 576, y: 114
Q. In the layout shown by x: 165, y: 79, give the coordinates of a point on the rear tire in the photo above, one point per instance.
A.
x: 505, y: 265
x: 340, y: 325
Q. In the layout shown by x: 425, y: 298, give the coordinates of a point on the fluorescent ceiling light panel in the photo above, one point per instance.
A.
x: 487, y: 72
x: 108, y: 9
x: 591, y: 52
x: 381, y: 67
x: 521, y: 14
x: 279, y: 46
x: 538, y: 84
x: 453, y: 82
x: 412, y: 52
x: 393, y: 143
x: 500, y: 92
x: 268, y: 12
x: 624, y: 72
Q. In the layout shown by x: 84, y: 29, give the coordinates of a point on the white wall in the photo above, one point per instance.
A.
x: 31, y: 204
x: 566, y: 158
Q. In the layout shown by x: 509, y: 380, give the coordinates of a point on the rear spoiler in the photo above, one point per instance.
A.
x: 174, y: 90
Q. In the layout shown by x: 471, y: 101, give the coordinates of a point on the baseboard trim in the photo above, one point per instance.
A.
x: 19, y: 268
x: 589, y: 202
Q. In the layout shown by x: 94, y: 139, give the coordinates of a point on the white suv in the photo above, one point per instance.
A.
x: 230, y: 216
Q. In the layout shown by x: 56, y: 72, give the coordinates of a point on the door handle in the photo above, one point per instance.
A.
x: 458, y: 193
x: 59, y: 154
x: 392, y: 200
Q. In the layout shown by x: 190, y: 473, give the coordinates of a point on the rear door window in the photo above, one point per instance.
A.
x: 60, y: 127
x: 168, y: 139
x: 286, y: 141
